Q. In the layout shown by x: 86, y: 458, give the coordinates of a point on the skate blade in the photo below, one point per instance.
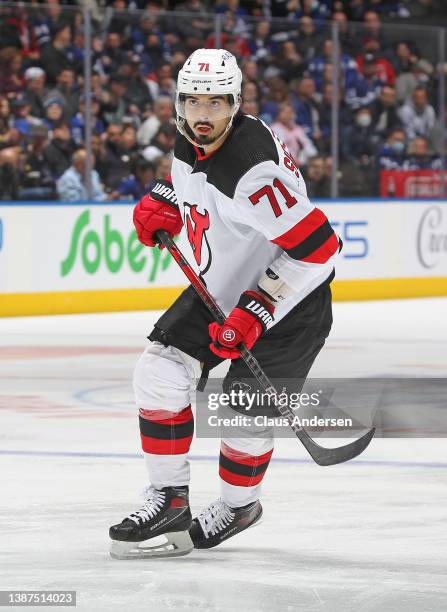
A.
x: 175, y: 544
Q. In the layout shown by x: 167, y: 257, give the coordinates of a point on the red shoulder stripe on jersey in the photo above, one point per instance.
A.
x: 244, y: 458
x: 239, y: 480
x: 167, y: 417
x: 324, y: 252
x: 301, y: 230
x: 157, y: 446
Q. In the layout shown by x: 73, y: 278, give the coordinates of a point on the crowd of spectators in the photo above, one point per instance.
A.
x: 387, y: 84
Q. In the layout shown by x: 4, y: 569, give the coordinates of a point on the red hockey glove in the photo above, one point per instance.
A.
x: 245, y: 323
x: 155, y: 211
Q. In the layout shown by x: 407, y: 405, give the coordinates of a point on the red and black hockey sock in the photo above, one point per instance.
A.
x: 164, y: 432
x: 242, y: 469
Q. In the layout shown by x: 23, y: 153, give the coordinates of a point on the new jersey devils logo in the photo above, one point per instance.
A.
x: 197, y: 224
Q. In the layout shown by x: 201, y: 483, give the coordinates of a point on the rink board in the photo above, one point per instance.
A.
x: 67, y: 258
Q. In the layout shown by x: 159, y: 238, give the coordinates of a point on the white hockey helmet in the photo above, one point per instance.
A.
x: 209, y: 72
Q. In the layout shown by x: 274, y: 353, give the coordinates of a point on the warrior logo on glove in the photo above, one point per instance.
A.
x: 158, y: 210
x: 245, y: 324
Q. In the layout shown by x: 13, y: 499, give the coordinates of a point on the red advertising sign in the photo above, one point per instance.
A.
x: 413, y: 184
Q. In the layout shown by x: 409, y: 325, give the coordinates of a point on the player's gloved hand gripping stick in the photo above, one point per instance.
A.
x: 320, y: 454
x: 244, y: 325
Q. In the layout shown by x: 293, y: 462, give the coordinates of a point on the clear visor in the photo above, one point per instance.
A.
x: 200, y: 107
x: 204, y: 119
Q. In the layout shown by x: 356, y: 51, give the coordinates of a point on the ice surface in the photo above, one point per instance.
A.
x: 368, y: 535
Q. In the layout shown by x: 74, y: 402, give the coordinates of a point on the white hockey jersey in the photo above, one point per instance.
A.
x: 245, y: 209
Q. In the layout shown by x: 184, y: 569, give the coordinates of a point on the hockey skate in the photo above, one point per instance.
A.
x: 219, y: 522
x: 158, y: 529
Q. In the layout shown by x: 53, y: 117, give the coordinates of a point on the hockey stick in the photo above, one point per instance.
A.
x: 320, y: 454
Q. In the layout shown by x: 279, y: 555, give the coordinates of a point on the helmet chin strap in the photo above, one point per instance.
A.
x: 182, y: 129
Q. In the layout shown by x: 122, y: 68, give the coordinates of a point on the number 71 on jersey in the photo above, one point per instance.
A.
x: 269, y: 192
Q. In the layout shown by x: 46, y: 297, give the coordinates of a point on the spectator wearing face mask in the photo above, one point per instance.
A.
x: 357, y: 142
x: 392, y: 155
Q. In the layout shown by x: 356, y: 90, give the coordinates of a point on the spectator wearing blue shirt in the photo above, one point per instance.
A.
x: 325, y: 110
x: 260, y: 43
x: 75, y: 52
x: 136, y: 185
x: 306, y: 110
x: 23, y: 121
x: 54, y: 112
x: 149, y: 42
x: 366, y: 87
x: 77, y: 124
x: 392, y: 155
x: 46, y: 22
x: 419, y: 156
x: 71, y: 187
x: 348, y: 67
x: 316, y: 9
x: 278, y: 92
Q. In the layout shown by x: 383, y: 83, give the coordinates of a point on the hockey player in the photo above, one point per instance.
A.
x: 266, y: 254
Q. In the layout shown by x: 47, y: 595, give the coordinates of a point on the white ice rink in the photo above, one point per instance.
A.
x: 370, y: 535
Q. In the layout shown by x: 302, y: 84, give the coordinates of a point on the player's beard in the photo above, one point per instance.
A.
x: 206, y: 139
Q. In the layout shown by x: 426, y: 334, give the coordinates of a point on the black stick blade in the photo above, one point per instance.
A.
x: 332, y: 456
